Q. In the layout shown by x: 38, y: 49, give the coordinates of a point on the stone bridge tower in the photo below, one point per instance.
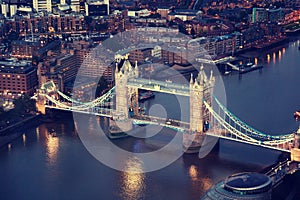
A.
x: 295, y: 151
x: 126, y: 97
x: 201, y: 89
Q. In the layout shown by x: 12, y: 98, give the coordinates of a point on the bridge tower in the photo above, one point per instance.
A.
x: 201, y: 90
x: 40, y: 103
x: 47, y: 88
x: 126, y: 97
x: 295, y: 151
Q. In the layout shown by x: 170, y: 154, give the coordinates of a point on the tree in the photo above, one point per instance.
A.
x: 24, y: 105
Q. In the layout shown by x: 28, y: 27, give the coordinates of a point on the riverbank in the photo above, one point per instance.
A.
x: 15, y: 130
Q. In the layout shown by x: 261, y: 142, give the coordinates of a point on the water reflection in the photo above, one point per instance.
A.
x: 193, y: 173
x: 9, y: 147
x: 255, y: 61
x: 24, y: 139
x: 279, y: 55
x: 274, y: 57
x: 196, y: 178
x: 133, y: 180
x: 37, y: 130
x: 268, y: 58
x: 52, y: 145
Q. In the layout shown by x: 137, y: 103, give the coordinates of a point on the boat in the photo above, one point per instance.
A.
x: 297, y: 115
x: 227, y: 72
x: 53, y: 133
x: 146, y: 95
x: 115, y: 132
x: 249, y: 67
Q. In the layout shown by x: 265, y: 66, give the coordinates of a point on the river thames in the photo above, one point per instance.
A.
x: 39, y: 166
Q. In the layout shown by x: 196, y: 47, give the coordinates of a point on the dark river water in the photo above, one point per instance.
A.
x: 39, y: 166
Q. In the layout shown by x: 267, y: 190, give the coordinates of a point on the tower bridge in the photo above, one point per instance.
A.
x: 208, y: 116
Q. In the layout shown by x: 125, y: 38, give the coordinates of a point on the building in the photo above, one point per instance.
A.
x: 156, y: 52
x: 225, y: 44
x: 275, y: 15
x: 42, y: 5
x: 95, y: 65
x: 206, y: 47
x: 250, y: 186
x: 17, y: 78
x: 163, y: 11
x: 175, y: 57
x: 259, y: 15
x: 75, y: 5
x: 13, y: 9
x: 97, y: 8
x: 4, y: 9
x: 183, y: 14
x: 24, y: 48
x: 139, y: 55
x: 42, y: 52
x: 267, y: 14
x: 60, y: 68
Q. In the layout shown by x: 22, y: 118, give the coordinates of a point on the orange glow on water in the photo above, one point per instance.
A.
x: 52, y: 144
x: 9, y: 147
x: 133, y: 180
x: 268, y: 58
x: 193, y: 173
x: 24, y: 138
x: 279, y: 56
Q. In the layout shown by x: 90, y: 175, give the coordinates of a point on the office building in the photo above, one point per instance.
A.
x: 17, y: 78
x: 97, y: 8
x: 42, y: 5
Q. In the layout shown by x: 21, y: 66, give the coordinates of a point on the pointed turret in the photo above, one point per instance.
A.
x: 298, y: 131
x: 192, y: 79
x: 117, y: 68
x: 202, y: 78
x: 211, y: 75
x: 136, y: 69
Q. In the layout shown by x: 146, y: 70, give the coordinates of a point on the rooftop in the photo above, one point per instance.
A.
x: 247, y: 181
x: 14, y: 66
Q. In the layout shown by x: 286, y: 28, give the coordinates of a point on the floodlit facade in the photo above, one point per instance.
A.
x: 40, y: 5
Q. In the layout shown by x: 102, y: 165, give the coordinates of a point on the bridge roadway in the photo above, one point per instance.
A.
x: 229, y: 132
x: 215, y: 132
x: 160, y: 86
x: 232, y: 129
x: 98, y: 111
x: 217, y: 61
x: 170, y: 123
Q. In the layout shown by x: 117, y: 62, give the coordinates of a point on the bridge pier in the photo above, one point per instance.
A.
x: 40, y: 104
x: 119, y: 128
x: 192, y: 142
